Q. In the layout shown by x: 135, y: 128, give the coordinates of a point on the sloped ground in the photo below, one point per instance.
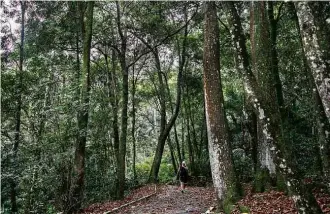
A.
x: 169, y: 199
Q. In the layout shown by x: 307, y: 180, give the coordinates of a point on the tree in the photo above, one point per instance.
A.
x: 261, y: 58
x: 323, y: 124
x: 304, y: 202
x: 311, y: 28
x: 82, y: 117
x: 218, y: 141
x: 17, y: 138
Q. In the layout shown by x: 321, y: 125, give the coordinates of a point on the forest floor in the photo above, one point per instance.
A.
x: 169, y: 199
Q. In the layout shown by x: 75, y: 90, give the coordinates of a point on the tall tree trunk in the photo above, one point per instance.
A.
x: 83, y: 112
x: 204, y: 140
x: 191, y: 144
x: 274, y: 56
x: 114, y: 100
x: 165, y: 128
x: 177, y: 143
x: 219, y: 149
x: 316, y: 52
x: 175, y: 132
x: 262, y: 69
x: 123, y: 136
x: 305, y: 203
x: 323, y: 125
x: 17, y: 138
x: 169, y: 142
x: 251, y: 126
x: 190, y: 120
x: 134, y: 122
x: 183, y: 152
x: 190, y: 150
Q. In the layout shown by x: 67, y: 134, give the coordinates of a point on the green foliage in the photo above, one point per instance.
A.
x: 243, y: 209
x: 166, y: 172
x: 243, y: 165
x: 143, y: 170
x: 262, y: 180
x: 280, y: 183
x: 232, y: 197
x: 50, y: 104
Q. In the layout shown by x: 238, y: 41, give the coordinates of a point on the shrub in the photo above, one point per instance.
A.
x: 243, y: 165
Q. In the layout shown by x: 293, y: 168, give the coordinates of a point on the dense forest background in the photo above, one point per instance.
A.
x: 98, y: 98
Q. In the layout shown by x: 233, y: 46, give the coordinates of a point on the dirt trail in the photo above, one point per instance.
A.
x: 172, y: 200
x: 168, y: 199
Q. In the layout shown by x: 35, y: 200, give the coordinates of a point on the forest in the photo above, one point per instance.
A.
x: 99, y: 98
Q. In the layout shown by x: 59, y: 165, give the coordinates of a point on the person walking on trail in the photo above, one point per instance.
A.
x: 183, y: 175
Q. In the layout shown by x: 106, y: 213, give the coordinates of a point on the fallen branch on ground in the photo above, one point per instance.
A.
x: 132, y: 202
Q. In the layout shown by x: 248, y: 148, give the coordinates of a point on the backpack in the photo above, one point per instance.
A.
x: 183, y: 172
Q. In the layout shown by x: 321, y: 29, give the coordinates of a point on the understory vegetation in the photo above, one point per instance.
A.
x: 99, y: 98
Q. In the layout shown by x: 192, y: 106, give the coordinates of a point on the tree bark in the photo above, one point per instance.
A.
x: 305, y: 202
x: 164, y: 127
x: 114, y: 100
x: 219, y: 149
x: 323, y: 125
x: 274, y: 56
x: 169, y: 142
x: 133, y: 122
x: 261, y: 58
x: 83, y: 112
x: 123, y: 136
x: 317, y: 56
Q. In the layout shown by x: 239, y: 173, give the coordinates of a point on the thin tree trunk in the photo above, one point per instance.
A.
x: 83, y: 112
x: 165, y: 127
x: 191, y: 151
x: 123, y: 136
x: 133, y: 125
x: 169, y: 142
x: 17, y: 138
x: 204, y: 141
x: 193, y: 131
x: 219, y: 149
x: 305, y: 203
x: 112, y: 87
x: 177, y: 143
x: 183, y: 139
x: 172, y: 111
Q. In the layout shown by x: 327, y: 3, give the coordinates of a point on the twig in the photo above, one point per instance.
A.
x: 132, y: 202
